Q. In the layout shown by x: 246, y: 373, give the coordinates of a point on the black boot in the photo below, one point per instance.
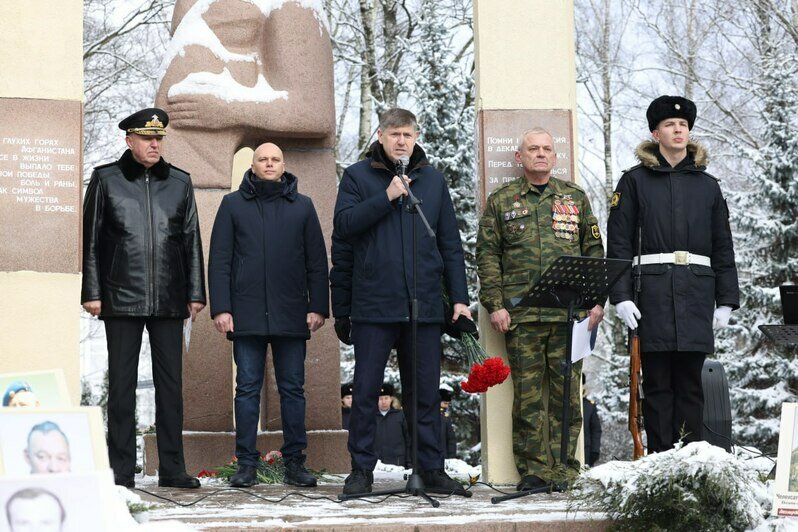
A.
x: 181, y: 480
x: 437, y: 481
x: 358, y: 481
x: 296, y: 474
x: 246, y: 477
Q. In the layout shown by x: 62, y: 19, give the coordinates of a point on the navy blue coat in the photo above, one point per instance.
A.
x: 380, y: 235
x: 268, y: 261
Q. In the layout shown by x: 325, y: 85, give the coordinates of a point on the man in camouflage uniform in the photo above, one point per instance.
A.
x: 527, y: 224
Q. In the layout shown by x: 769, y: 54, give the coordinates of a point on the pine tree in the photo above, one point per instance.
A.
x: 445, y: 112
x: 762, y: 375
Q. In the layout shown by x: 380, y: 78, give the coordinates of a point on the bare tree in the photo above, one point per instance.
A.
x: 121, y: 58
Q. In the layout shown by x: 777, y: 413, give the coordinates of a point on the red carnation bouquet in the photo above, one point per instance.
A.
x: 486, y: 371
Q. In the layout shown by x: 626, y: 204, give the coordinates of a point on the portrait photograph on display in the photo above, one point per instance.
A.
x: 785, y: 503
x: 43, y: 389
x: 57, y: 503
x: 46, y: 441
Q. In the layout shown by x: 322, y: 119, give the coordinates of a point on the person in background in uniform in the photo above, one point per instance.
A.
x: 371, y: 218
x: 448, y: 438
x: 48, y: 449
x: 527, y: 224
x: 268, y: 280
x: 392, y: 439
x: 689, y: 278
x: 20, y: 394
x: 592, y: 427
x: 143, y: 267
x: 346, y: 404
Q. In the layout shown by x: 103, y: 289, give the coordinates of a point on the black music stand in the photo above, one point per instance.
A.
x: 573, y: 283
x: 781, y: 334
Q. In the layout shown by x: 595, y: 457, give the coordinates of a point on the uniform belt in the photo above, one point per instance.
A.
x: 681, y: 258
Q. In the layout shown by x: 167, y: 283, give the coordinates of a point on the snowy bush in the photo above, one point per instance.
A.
x: 696, y: 487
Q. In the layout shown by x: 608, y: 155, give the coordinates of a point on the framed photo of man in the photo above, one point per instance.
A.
x: 785, y: 503
x: 45, y: 389
x: 74, y: 502
x: 47, y: 441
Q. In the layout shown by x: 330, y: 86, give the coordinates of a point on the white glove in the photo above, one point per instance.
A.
x: 629, y: 313
x: 721, y: 317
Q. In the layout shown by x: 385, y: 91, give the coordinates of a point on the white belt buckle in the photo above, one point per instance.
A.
x: 682, y: 258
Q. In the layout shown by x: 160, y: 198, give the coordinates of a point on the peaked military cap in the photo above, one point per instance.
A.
x: 346, y: 389
x: 387, y: 389
x: 670, y: 107
x: 148, y: 122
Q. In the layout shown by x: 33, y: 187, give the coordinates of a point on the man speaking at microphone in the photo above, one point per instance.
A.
x: 371, y: 217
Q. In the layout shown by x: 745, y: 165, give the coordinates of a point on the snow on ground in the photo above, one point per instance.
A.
x: 319, y: 507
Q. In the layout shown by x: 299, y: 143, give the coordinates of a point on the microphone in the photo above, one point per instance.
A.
x: 401, y: 169
x: 401, y: 165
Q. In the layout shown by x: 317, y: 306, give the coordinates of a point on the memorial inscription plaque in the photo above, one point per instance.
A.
x: 40, y: 185
x: 499, y: 134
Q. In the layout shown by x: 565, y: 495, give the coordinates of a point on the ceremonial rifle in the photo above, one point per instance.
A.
x: 635, y: 369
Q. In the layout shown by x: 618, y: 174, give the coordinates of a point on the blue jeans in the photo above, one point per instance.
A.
x: 288, y: 355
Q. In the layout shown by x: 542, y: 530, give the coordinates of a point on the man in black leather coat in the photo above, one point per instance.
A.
x: 143, y: 267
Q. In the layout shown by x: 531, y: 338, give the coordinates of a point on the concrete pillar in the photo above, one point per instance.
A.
x: 41, y: 147
x: 525, y: 77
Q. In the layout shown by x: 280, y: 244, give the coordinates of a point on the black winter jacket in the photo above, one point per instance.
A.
x: 392, y: 439
x: 142, y: 253
x: 680, y: 209
x: 380, y: 235
x: 268, y: 261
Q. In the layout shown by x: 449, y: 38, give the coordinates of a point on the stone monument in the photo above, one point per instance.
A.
x: 41, y: 166
x: 238, y: 73
x: 514, y: 94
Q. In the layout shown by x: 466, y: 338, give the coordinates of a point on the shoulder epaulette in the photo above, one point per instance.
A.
x: 503, y: 186
x: 106, y: 165
x: 573, y: 185
x: 179, y: 169
x: 703, y: 171
x: 635, y: 167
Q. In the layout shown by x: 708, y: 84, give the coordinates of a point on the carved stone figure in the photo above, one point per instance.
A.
x: 238, y: 72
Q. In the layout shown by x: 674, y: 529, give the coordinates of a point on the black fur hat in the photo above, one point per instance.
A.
x: 670, y: 107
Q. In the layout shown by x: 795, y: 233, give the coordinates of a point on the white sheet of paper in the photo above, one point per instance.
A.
x: 187, y: 332
x: 582, y: 340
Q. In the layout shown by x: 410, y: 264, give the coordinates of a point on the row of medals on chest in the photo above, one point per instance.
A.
x: 565, y: 225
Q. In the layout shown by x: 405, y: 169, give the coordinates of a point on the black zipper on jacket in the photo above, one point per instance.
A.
x: 150, y: 248
x: 265, y: 276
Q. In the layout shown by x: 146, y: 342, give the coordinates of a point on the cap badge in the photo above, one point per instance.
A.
x: 155, y: 122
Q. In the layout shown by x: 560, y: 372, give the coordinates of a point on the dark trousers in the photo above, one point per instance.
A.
x: 373, y: 343
x: 673, y: 404
x: 288, y: 356
x: 124, y: 343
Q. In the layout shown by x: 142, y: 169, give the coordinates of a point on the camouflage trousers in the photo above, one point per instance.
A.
x: 537, y: 361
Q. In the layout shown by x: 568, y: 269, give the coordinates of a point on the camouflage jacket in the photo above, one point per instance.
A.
x: 521, y: 233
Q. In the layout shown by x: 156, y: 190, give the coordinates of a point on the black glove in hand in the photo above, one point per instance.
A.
x: 343, y: 329
x: 460, y: 326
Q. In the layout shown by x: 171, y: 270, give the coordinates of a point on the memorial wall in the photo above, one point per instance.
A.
x: 41, y: 94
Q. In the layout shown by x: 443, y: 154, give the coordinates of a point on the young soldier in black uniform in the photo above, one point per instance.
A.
x: 689, y: 278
